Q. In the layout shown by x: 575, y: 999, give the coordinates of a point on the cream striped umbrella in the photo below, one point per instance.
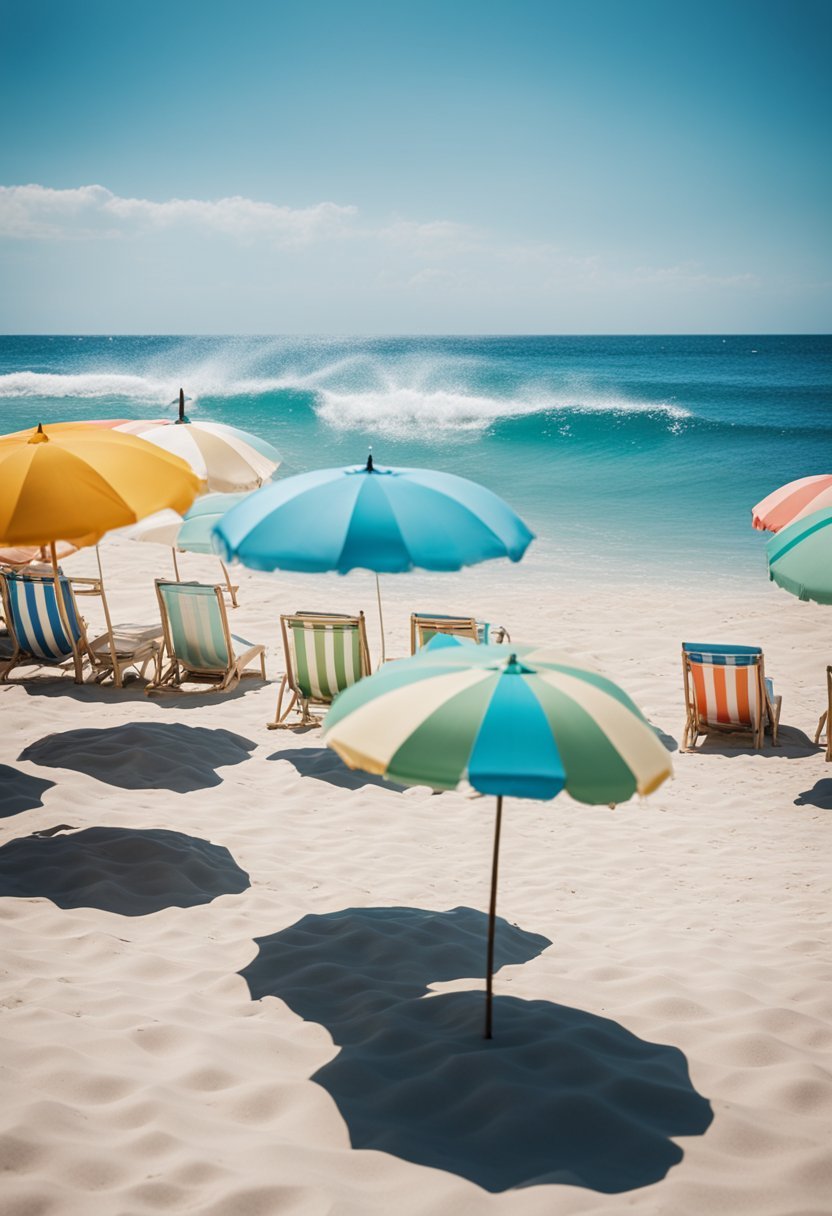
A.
x: 528, y: 725
x: 225, y: 458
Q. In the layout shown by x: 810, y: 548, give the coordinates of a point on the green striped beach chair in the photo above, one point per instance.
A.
x: 424, y: 626
x: 199, y: 646
x: 42, y: 631
x: 324, y: 655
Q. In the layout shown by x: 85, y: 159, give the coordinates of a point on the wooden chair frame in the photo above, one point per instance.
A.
x: 826, y: 717
x: 110, y: 653
x: 290, y: 680
x: 177, y: 672
x: 768, y: 710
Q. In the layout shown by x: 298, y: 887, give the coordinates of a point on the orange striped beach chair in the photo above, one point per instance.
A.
x: 726, y: 690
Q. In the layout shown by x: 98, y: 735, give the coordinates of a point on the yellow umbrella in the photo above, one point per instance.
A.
x: 78, y: 482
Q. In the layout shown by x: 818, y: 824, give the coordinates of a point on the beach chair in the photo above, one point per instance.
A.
x: 325, y: 653
x: 199, y: 646
x: 43, y: 635
x: 826, y: 717
x: 726, y: 690
x: 41, y: 630
x: 424, y: 626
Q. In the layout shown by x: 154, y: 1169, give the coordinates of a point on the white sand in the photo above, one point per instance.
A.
x: 663, y: 1019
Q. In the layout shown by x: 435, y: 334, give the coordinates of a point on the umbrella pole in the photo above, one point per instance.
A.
x: 380, y: 619
x: 492, y: 913
x: 106, y: 607
x: 228, y: 584
x: 175, y: 565
x: 62, y: 613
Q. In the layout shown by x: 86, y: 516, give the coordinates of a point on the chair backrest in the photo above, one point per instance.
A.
x: 195, y: 625
x: 726, y: 683
x: 34, y: 618
x: 324, y: 654
x: 424, y: 626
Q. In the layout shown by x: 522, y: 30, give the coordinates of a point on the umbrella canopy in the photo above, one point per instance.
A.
x: 78, y: 481
x: 190, y: 533
x: 225, y: 458
x: 791, y: 502
x: 800, y: 557
x: 28, y: 555
x: 528, y: 725
x: 386, y: 520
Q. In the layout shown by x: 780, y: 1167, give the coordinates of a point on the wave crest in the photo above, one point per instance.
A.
x: 396, y: 412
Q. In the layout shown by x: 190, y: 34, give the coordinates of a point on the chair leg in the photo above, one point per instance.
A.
x: 278, y: 717
x: 821, y: 724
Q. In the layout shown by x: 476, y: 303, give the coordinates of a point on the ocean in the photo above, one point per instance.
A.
x: 628, y: 456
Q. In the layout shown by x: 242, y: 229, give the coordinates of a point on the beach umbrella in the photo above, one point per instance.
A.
x: 225, y: 458
x: 793, y: 501
x: 800, y: 557
x: 527, y: 726
x: 79, y: 482
x: 380, y: 519
x: 190, y: 533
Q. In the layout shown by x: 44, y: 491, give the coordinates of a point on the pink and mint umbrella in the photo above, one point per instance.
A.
x: 791, y: 502
x: 528, y: 726
x: 800, y: 557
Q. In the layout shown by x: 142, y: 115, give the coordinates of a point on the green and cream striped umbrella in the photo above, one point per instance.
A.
x: 528, y: 725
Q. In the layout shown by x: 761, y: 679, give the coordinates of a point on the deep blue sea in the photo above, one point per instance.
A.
x: 640, y: 454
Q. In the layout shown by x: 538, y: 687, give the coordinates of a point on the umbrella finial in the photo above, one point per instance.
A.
x: 370, y: 461
x: 39, y: 436
x: 181, y: 417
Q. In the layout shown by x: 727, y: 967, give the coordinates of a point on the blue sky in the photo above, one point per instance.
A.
x: 469, y: 166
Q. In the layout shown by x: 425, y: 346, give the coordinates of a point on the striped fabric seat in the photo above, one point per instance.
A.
x: 198, y: 642
x: 34, y: 619
x: 324, y: 655
x: 725, y: 689
x: 426, y: 625
x: 198, y: 637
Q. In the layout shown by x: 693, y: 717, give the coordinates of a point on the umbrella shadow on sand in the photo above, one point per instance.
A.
x: 124, y: 870
x: 144, y: 755
x: 326, y: 765
x: 19, y: 791
x: 558, y: 1095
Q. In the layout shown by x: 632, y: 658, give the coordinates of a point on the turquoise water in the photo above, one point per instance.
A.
x: 644, y: 453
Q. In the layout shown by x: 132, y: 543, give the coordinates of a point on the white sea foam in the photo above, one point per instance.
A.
x: 350, y: 393
x: 87, y: 385
x: 400, y: 411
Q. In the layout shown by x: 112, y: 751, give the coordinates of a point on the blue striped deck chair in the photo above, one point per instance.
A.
x: 324, y: 655
x: 424, y: 626
x: 199, y: 646
x: 726, y: 690
x: 39, y: 631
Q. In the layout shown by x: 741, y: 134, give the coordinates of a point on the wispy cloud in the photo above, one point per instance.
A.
x: 36, y: 212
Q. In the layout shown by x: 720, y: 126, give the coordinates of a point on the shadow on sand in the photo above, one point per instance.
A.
x: 559, y: 1095
x: 144, y: 755
x: 133, y: 690
x: 819, y: 795
x: 19, y: 791
x: 793, y: 744
x: 325, y: 765
x: 120, y: 870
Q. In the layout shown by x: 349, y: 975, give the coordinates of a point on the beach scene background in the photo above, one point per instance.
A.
x: 577, y: 251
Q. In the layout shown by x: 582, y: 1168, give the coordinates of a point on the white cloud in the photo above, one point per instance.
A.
x: 89, y: 212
